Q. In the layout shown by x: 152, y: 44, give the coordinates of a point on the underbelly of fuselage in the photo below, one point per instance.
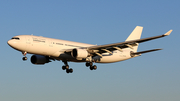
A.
x: 106, y: 57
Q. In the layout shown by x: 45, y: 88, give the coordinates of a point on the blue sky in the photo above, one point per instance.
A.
x: 151, y: 77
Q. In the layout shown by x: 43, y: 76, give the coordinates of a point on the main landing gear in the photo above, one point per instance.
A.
x: 24, y: 58
x: 66, y: 67
x: 90, y: 65
x: 70, y: 70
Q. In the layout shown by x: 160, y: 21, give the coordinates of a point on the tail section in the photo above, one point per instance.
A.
x: 135, y: 34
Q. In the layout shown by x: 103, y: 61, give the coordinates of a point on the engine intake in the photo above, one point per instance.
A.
x: 79, y: 53
x: 39, y: 59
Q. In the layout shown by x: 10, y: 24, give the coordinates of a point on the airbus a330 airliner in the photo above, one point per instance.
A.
x: 47, y: 49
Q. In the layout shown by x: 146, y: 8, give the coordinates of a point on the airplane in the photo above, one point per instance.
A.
x: 47, y: 49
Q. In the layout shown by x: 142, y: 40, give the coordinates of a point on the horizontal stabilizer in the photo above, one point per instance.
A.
x: 139, y: 53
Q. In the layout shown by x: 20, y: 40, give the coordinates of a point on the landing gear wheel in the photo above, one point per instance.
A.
x: 89, y: 64
x: 69, y: 70
x: 63, y: 67
x: 67, y: 67
x: 93, y: 67
x: 24, y: 58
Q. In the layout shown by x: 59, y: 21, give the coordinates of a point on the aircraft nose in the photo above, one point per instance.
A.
x: 11, y: 43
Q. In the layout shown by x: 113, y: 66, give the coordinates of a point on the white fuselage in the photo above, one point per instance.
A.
x: 55, y: 48
x: 47, y: 49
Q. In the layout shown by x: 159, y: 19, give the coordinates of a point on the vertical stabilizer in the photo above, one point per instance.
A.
x: 136, y: 34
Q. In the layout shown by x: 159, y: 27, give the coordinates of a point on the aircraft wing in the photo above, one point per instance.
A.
x: 119, y: 46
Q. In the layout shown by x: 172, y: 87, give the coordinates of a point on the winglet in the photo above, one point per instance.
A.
x: 168, y: 33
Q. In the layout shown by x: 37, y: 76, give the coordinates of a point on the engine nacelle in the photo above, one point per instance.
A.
x: 39, y: 59
x: 79, y: 53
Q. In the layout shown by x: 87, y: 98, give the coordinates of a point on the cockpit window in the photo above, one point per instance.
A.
x: 15, y: 38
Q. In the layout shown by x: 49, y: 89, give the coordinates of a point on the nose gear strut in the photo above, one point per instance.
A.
x: 24, y: 58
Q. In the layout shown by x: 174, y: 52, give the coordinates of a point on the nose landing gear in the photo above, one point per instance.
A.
x: 24, y: 58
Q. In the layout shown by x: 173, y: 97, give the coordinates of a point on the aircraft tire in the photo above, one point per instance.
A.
x: 67, y: 70
x: 87, y: 64
x: 94, y: 67
x: 70, y: 70
x: 91, y: 67
x: 67, y: 67
x: 63, y: 67
x: 24, y: 58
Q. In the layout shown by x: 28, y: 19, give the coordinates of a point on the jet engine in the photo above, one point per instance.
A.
x: 39, y: 59
x: 79, y: 53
